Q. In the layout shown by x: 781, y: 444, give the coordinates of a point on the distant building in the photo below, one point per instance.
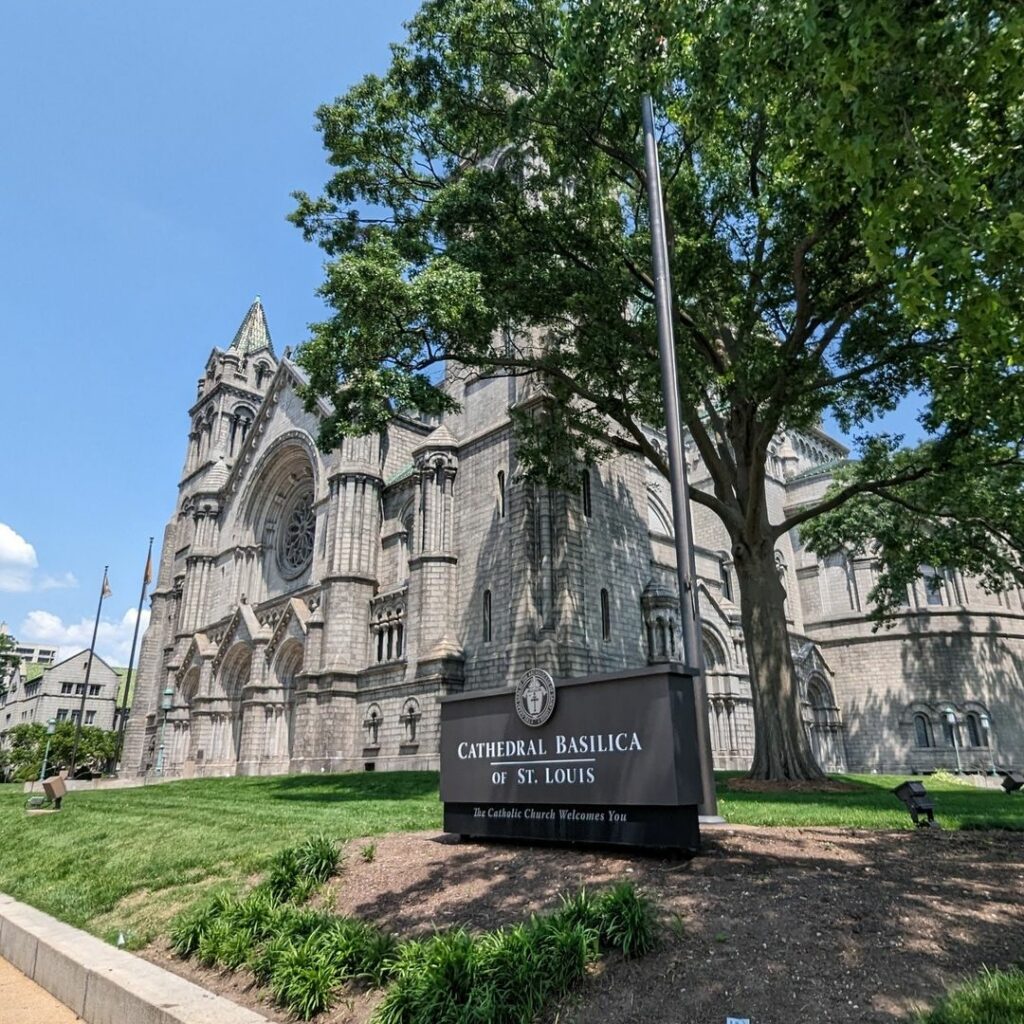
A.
x: 36, y: 694
x: 33, y: 654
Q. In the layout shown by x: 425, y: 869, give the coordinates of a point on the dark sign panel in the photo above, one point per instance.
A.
x: 612, y: 759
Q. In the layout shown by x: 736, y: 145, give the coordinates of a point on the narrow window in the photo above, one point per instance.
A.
x: 380, y: 644
x: 501, y: 493
x: 399, y: 638
x: 391, y: 642
x: 606, y: 617
x: 587, y: 505
x: 922, y: 731
x: 487, y: 616
x: 974, y: 730
x: 723, y: 572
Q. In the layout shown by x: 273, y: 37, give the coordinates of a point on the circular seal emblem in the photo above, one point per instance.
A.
x: 535, y: 697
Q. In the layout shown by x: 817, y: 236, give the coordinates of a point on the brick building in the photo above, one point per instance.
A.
x: 311, y: 608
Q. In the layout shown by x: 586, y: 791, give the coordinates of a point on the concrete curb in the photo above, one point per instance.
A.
x: 104, y: 985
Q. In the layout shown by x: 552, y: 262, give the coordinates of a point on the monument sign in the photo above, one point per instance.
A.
x: 604, y: 759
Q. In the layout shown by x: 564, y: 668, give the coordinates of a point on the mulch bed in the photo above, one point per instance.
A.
x: 780, y: 925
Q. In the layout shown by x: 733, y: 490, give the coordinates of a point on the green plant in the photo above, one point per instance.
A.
x: 996, y: 997
x: 304, y: 976
x: 317, y: 858
x: 626, y: 920
x: 368, y: 852
x: 192, y: 926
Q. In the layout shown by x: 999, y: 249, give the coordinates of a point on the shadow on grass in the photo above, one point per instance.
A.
x: 355, y: 786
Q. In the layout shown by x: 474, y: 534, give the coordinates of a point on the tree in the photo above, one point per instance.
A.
x: 842, y: 193
x: 9, y: 659
x: 27, y: 745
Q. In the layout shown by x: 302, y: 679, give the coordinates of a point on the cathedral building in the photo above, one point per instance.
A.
x: 311, y: 608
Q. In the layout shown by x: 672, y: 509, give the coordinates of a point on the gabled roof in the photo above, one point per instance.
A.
x: 254, y: 334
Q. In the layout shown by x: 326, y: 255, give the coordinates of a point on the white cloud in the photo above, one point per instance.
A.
x: 18, y: 564
x: 113, y: 639
x: 66, y: 581
x: 17, y: 560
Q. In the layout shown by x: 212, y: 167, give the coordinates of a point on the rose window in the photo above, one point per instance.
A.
x: 295, y: 549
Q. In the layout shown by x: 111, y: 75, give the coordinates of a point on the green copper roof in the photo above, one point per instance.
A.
x: 253, y: 335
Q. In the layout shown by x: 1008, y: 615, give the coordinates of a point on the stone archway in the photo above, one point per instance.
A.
x: 824, y: 725
x: 228, y: 728
x: 279, y: 738
x: 179, y: 724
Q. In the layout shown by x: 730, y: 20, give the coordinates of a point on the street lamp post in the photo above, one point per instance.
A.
x: 51, y: 728
x: 165, y: 706
x: 950, y: 716
x: 986, y: 727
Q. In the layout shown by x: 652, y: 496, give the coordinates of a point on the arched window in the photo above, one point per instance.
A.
x: 501, y: 493
x: 975, y: 733
x: 410, y: 719
x: 922, y: 731
x: 606, y: 617
x: 487, y: 617
x: 588, y: 507
x: 262, y: 372
x: 372, y: 724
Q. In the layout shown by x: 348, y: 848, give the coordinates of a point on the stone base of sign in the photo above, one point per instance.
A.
x: 608, y: 759
x: 667, y: 828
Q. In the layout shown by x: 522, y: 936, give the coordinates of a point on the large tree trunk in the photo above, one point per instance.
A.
x: 782, y: 748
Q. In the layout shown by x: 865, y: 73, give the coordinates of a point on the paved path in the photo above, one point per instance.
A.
x: 24, y: 1002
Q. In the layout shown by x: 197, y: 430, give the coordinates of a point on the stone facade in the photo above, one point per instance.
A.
x: 310, y: 609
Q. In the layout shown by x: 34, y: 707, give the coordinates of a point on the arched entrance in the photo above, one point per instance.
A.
x: 824, y: 726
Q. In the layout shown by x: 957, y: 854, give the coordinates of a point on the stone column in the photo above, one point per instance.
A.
x: 430, y: 638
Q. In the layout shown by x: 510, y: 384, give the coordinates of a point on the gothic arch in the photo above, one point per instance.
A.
x: 659, y: 517
x: 714, y: 648
x: 280, y: 726
x: 278, y: 509
x: 234, y: 675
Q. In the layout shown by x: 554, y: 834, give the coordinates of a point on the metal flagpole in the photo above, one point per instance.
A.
x: 147, y: 577
x: 104, y: 592
x: 685, y: 566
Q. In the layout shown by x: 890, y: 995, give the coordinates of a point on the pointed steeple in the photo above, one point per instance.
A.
x: 254, y: 335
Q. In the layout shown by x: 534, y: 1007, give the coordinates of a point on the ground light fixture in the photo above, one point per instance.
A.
x: 165, y: 706
x: 918, y: 803
x: 1012, y: 781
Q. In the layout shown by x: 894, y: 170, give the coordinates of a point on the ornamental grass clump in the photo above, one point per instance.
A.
x: 622, y: 918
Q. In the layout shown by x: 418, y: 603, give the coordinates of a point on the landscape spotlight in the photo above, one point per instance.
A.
x: 914, y: 795
x: 1012, y: 781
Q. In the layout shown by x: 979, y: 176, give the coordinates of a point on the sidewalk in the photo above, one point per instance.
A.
x: 24, y: 1002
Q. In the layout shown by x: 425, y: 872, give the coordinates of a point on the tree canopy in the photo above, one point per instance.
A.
x: 843, y: 196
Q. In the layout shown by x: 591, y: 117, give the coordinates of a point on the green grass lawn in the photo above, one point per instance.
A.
x: 872, y: 805
x: 127, y: 860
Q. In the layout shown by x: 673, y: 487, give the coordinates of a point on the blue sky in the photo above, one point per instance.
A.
x: 147, y: 156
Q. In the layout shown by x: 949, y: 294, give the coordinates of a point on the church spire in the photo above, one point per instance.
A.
x: 254, y: 335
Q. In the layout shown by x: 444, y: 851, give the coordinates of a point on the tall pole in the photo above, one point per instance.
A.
x: 123, y: 721
x: 104, y: 591
x: 686, y: 569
